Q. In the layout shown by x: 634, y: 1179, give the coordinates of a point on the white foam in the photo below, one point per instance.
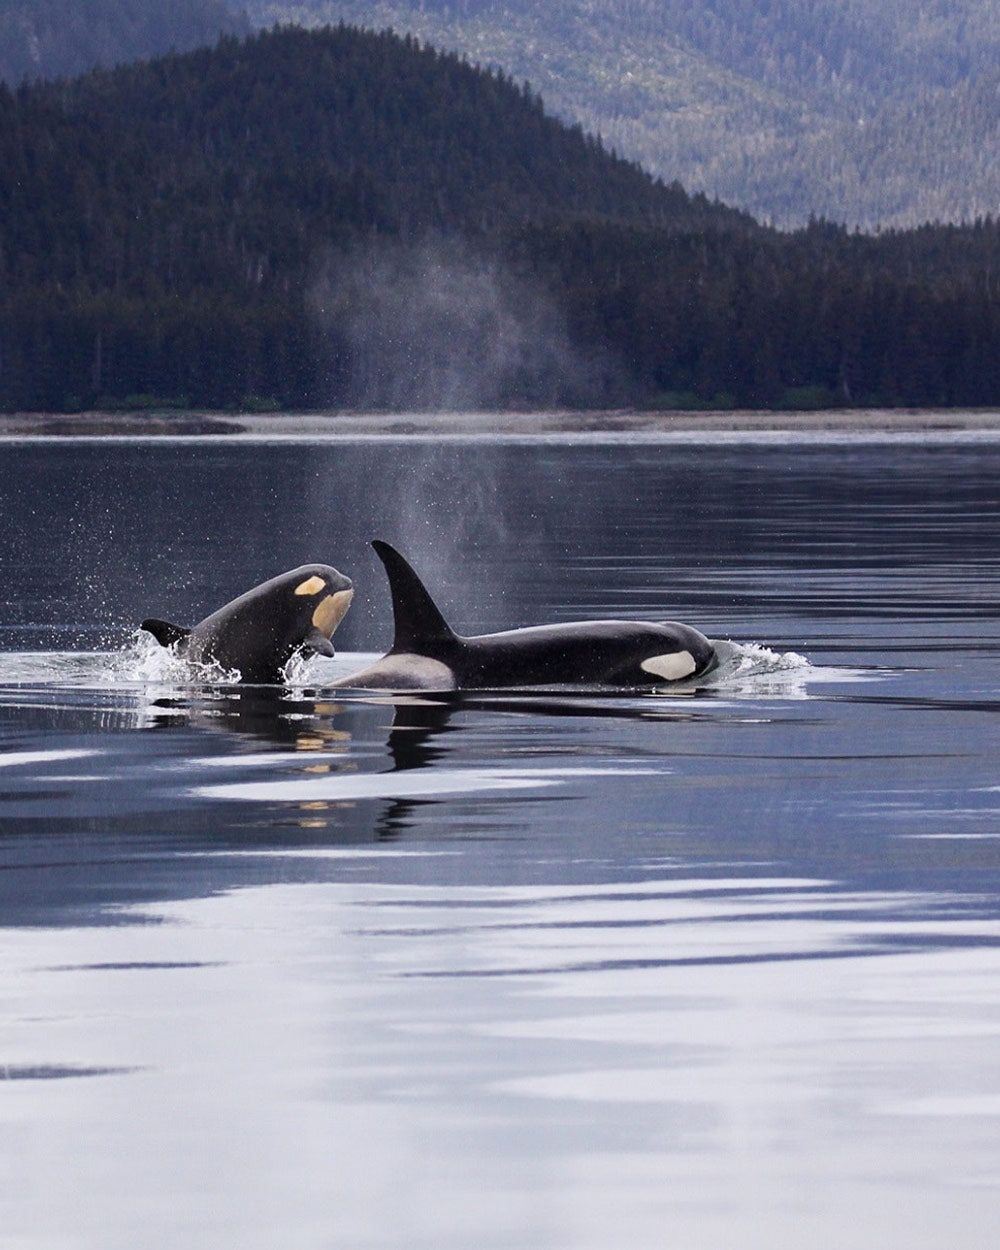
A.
x: 753, y: 669
x: 744, y: 670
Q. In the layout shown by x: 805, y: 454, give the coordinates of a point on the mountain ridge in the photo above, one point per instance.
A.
x: 777, y: 109
x: 339, y: 218
x: 47, y: 39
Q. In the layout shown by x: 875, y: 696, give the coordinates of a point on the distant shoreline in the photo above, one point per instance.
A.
x: 622, y: 422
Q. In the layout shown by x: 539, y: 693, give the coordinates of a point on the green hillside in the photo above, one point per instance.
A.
x: 166, y: 227
x: 341, y: 218
x: 870, y: 114
x: 60, y: 38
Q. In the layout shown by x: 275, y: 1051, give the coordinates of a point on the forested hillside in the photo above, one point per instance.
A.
x: 884, y: 114
x: 867, y: 113
x: 58, y: 38
x: 342, y: 218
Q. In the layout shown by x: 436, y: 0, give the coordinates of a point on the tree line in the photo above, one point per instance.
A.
x: 59, y: 38
x: 864, y: 113
x: 206, y: 230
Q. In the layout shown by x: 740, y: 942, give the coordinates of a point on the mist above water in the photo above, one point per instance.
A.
x: 438, y: 326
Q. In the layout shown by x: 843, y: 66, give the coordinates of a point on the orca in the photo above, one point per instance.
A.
x: 258, y: 633
x: 427, y: 654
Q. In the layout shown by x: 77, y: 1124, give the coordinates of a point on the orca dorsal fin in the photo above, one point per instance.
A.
x: 418, y: 620
x: 165, y: 633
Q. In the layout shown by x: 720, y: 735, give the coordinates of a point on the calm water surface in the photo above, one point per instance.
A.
x: 717, y: 967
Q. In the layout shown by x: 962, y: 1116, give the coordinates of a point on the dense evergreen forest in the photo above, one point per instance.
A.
x: 871, y: 114
x: 59, y: 38
x: 343, y: 218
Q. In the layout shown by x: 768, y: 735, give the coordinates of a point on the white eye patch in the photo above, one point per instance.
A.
x: 311, y: 586
x: 670, y: 667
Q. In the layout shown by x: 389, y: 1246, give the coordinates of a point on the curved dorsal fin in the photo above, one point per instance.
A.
x: 417, y: 618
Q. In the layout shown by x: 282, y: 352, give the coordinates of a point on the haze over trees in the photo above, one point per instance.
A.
x: 59, y: 38
x: 344, y: 218
x: 881, y: 114
x: 862, y: 113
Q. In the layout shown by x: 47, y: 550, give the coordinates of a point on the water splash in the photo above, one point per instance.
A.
x: 142, y: 662
x: 752, y: 669
x: 748, y: 670
x: 145, y: 662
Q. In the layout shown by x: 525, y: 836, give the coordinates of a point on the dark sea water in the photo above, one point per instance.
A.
x: 713, y: 967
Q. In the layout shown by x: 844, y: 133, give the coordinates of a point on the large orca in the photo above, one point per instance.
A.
x: 258, y: 633
x: 427, y: 654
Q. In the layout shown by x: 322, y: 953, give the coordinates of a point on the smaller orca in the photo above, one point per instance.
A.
x: 427, y: 654
x: 258, y: 633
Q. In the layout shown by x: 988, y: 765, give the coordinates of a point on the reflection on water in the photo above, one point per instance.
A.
x: 545, y: 1066
x: 562, y: 969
